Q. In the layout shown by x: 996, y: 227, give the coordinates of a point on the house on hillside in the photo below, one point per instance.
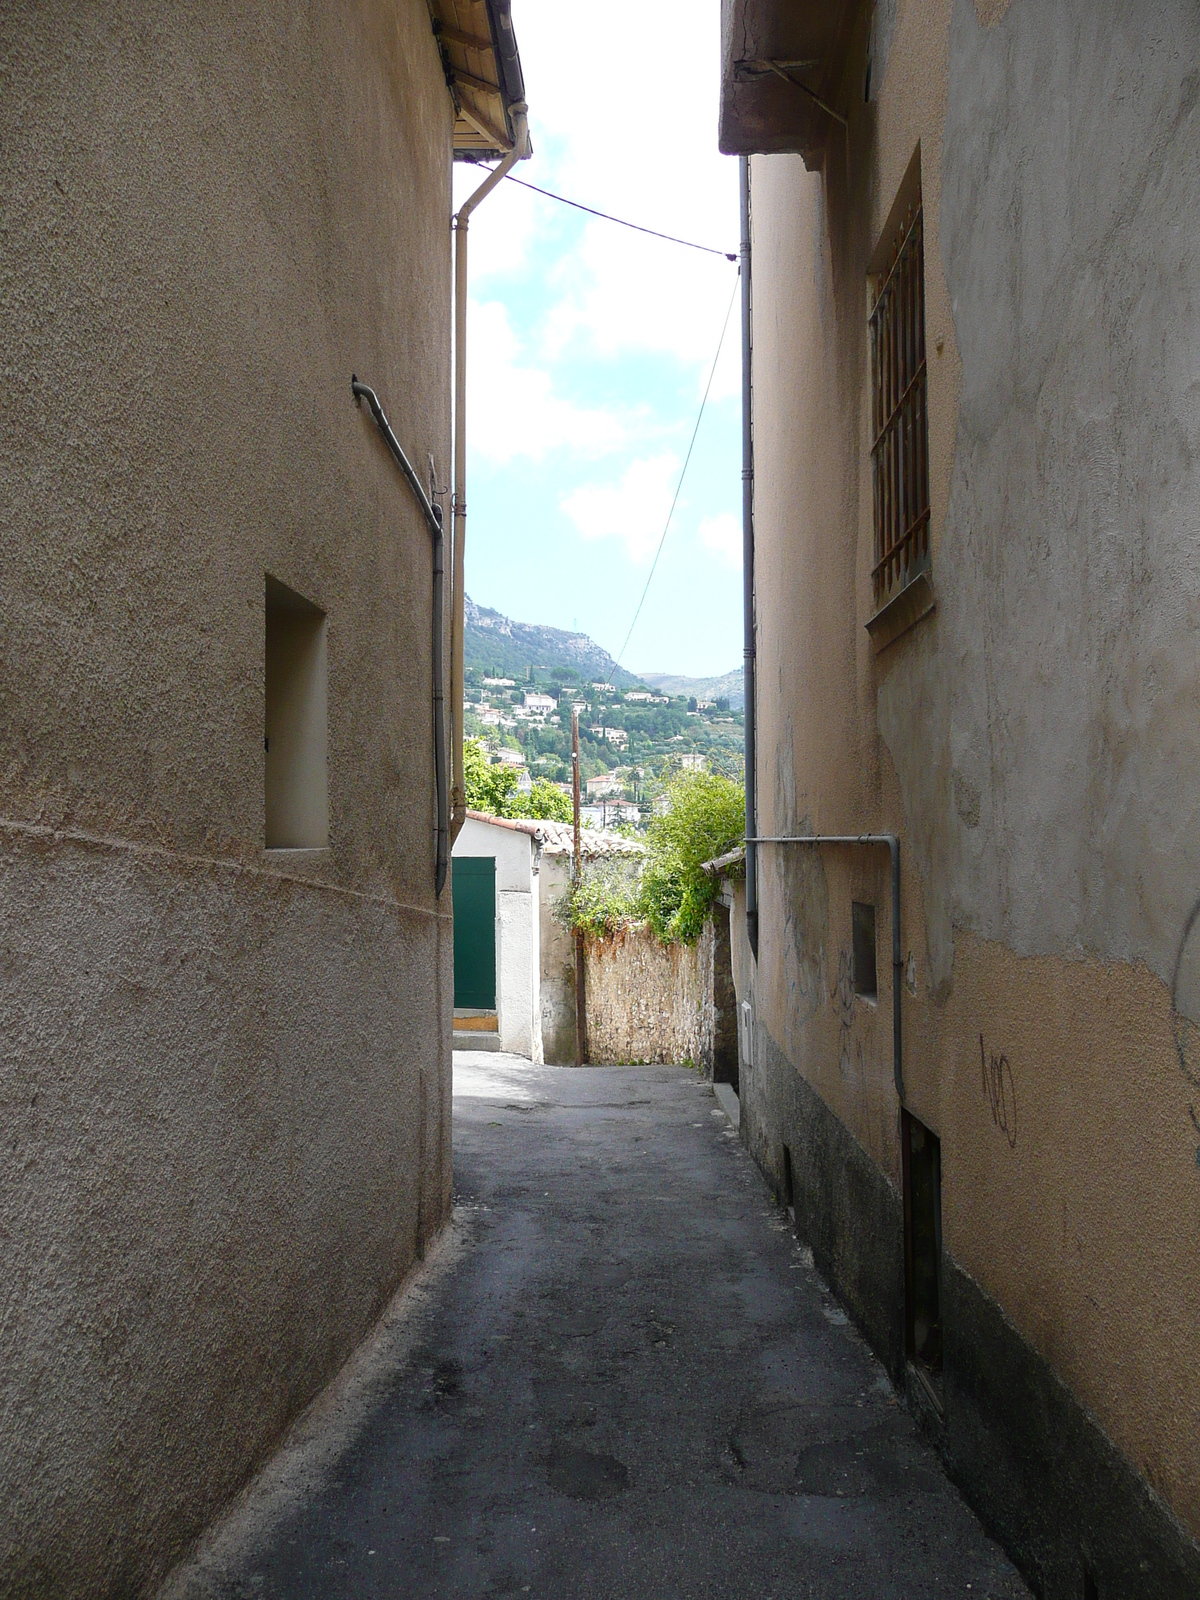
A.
x: 225, y: 996
x: 969, y: 941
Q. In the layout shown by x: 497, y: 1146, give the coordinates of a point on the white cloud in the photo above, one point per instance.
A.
x: 624, y: 294
x: 722, y: 534
x: 609, y: 125
x: 512, y: 408
x: 633, y: 510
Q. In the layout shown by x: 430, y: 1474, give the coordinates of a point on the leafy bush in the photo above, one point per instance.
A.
x: 489, y: 788
x: 706, y: 817
x: 604, y: 899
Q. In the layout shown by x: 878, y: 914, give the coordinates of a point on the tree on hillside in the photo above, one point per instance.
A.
x: 489, y: 788
x: 545, y: 802
x: 493, y: 789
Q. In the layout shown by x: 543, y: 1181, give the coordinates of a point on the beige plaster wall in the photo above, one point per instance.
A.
x: 1033, y: 740
x: 224, y: 1077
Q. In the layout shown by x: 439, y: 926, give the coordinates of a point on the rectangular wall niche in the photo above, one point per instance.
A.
x: 922, y: 1161
x: 295, y: 743
x: 862, y: 928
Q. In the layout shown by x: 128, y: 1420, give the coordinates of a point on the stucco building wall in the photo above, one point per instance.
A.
x: 225, y: 1072
x: 1031, y: 740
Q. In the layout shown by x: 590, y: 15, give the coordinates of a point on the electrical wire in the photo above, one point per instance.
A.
x: 683, y: 474
x: 729, y: 255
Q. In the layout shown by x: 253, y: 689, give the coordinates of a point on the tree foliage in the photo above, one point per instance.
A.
x: 545, y: 802
x: 493, y: 789
x: 490, y: 789
x: 705, y: 817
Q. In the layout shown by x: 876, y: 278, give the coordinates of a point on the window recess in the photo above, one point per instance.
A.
x: 296, y: 784
x: 899, y: 418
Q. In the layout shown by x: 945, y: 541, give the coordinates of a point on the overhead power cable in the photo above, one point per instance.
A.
x: 729, y: 255
x: 683, y: 474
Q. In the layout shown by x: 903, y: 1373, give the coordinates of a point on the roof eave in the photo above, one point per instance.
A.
x: 483, y: 73
x: 783, y: 69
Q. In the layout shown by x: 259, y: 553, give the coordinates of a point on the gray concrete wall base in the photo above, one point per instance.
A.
x: 1032, y: 1460
x: 845, y: 1207
x: 1042, y: 1473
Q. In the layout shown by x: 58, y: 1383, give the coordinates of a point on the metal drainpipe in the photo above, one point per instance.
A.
x: 433, y: 518
x: 519, y: 152
x: 749, y: 644
x: 893, y: 845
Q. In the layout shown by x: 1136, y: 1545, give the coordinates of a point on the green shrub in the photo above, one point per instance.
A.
x: 604, y: 899
x: 706, y: 817
x: 667, y: 887
x: 489, y: 788
x: 493, y: 789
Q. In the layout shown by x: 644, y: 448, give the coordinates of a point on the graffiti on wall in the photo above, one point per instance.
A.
x: 1000, y: 1091
x: 851, y: 1060
x: 1184, y: 1026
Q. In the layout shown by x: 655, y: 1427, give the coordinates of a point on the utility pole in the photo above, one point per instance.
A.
x: 577, y: 874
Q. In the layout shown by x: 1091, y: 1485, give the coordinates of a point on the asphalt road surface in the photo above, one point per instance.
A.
x: 617, y: 1376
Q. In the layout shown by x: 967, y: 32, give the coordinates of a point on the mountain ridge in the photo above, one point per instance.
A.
x: 496, y: 645
x: 728, y: 686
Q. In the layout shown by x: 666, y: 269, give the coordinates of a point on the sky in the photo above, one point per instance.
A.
x: 589, y: 346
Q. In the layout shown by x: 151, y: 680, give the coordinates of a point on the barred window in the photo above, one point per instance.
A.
x: 900, y: 431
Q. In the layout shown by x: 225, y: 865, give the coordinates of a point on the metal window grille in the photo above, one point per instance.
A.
x: 900, y: 452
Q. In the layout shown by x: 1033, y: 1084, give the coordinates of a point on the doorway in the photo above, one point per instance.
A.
x: 475, y: 933
x: 922, y: 1155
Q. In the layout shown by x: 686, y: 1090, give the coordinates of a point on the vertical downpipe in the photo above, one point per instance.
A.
x: 749, y: 717
x: 576, y: 874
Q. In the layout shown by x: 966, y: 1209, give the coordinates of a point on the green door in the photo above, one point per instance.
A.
x: 475, y: 932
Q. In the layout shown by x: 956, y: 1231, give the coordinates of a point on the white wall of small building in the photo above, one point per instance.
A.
x: 518, y: 938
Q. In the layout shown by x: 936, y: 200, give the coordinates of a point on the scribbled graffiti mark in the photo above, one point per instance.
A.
x: 851, y: 1062
x: 842, y: 993
x: 1183, y: 1027
x: 1000, y: 1091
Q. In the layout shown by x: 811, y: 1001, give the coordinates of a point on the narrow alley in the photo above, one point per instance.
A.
x: 617, y: 1375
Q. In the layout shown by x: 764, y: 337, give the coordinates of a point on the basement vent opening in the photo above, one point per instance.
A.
x: 922, y: 1153
x: 789, y: 1193
x: 863, y: 949
x: 296, y: 782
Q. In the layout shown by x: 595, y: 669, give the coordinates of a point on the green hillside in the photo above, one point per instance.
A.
x: 727, y: 687
x: 644, y: 735
x: 496, y: 645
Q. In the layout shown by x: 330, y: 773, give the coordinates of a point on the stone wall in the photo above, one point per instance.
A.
x: 650, y: 1002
